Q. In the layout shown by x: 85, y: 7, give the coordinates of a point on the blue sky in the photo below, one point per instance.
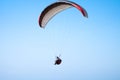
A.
x: 89, y: 47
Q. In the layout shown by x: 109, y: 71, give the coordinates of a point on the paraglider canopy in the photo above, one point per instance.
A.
x: 62, y: 0
x: 57, y: 7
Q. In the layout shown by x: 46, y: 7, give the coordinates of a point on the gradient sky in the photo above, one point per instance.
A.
x: 89, y: 47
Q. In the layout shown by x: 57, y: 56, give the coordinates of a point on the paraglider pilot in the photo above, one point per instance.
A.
x: 58, y: 61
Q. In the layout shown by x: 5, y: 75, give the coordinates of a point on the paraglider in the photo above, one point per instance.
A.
x: 58, y: 61
x: 50, y: 11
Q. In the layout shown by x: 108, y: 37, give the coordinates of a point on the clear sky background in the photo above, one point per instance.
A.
x: 89, y: 47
